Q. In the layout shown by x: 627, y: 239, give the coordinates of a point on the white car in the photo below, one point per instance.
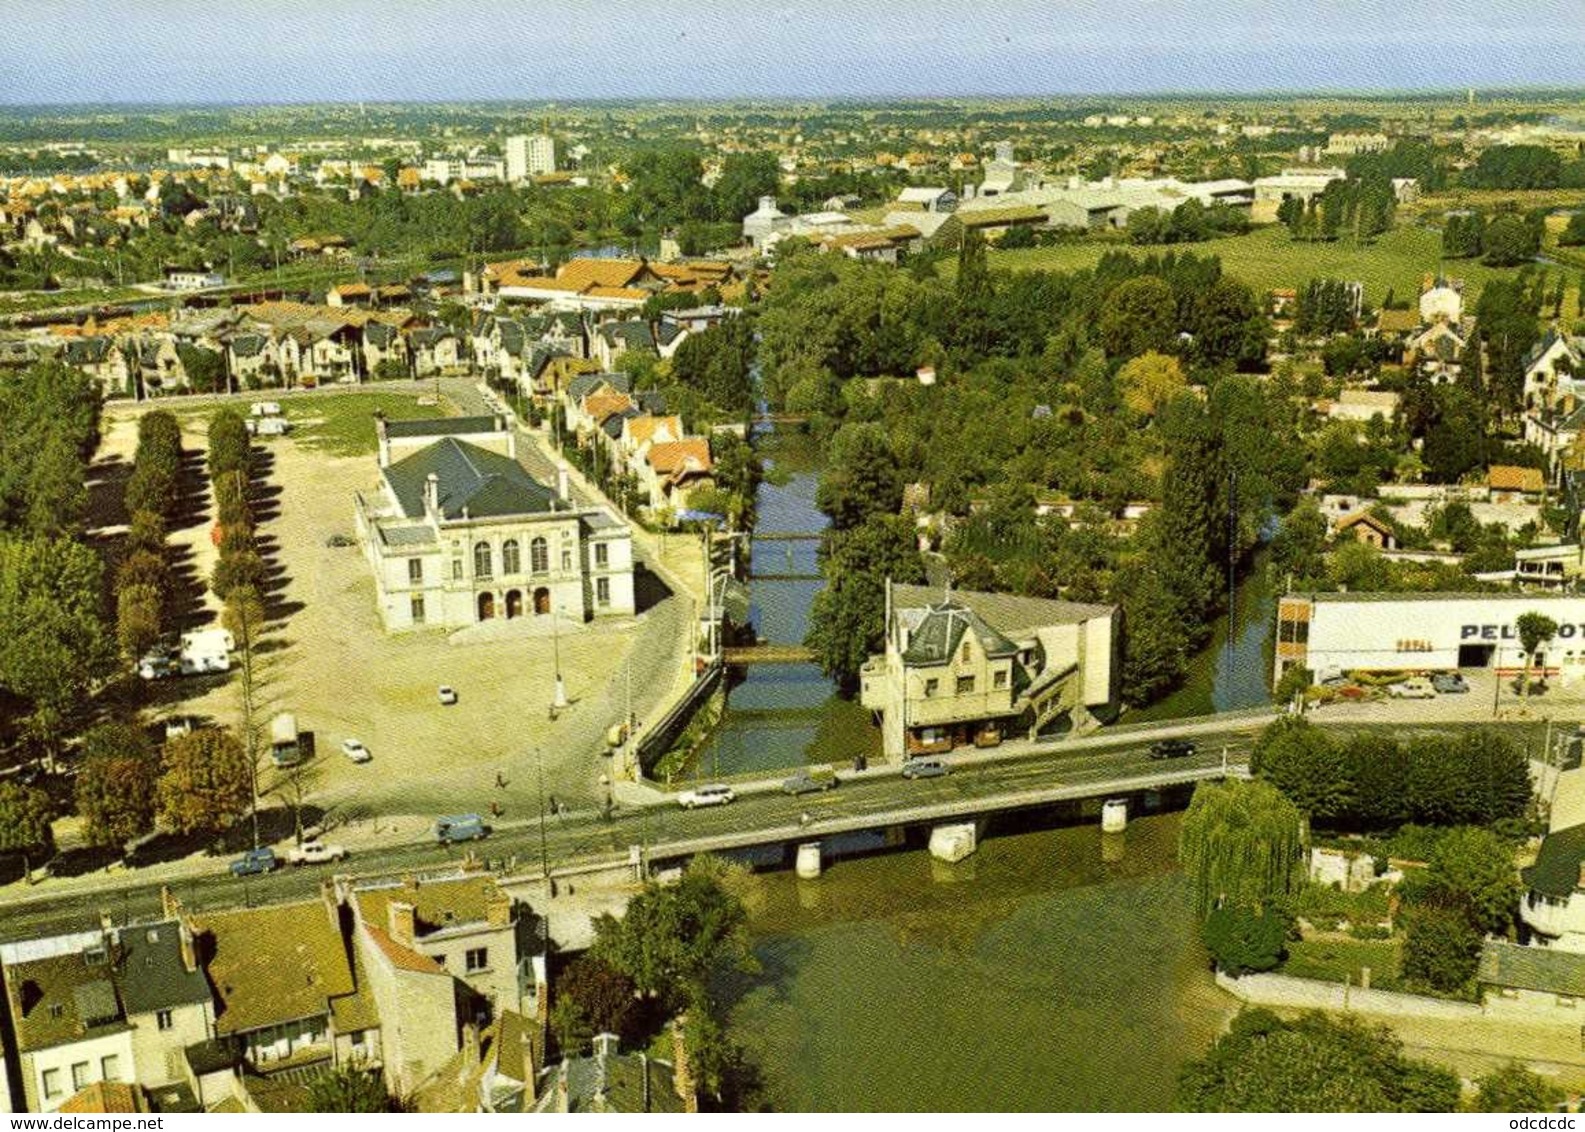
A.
x: 448, y: 694
x: 355, y: 750
x: 705, y: 796
x: 316, y: 853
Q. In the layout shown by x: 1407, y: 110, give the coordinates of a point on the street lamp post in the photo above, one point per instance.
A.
x: 560, y: 700
x: 544, y: 853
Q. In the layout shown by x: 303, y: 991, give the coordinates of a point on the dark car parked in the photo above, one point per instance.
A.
x: 1171, y: 749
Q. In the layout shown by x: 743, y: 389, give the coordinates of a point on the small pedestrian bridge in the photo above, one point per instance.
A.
x: 767, y: 654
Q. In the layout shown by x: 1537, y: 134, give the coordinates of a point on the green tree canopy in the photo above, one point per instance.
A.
x: 1315, y: 1063
x: 206, y: 782
x: 25, y: 813
x: 673, y: 938
x: 1514, y: 1088
x: 116, y: 785
x: 1243, y: 845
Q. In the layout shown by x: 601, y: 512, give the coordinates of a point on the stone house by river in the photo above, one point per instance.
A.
x: 963, y: 667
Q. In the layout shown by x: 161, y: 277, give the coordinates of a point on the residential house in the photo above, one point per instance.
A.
x: 494, y: 1071
x: 610, y: 1081
x: 253, y: 360
x: 670, y: 473
x: 1553, y: 907
x: 764, y: 221
x: 1437, y: 352
x: 160, y: 369
x: 113, y: 1005
x: 383, y: 343
x: 641, y: 431
x: 1441, y: 301
x: 1530, y: 982
x: 459, y: 534
x: 102, y: 361
x: 1362, y: 526
x: 1550, y: 370
x: 435, y: 350
x: 971, y: 667
x: 350, y: 295
x: 192, y: 278
x: 611, y: 340
x: 470, y: 927
x: 287, y: 989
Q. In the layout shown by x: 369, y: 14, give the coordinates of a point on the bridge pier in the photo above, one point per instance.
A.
x: 808, y: 866
x: 952, y: 843
x: 1114, y: 815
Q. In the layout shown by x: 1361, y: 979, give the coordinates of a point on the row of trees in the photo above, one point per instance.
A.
x: 1325, y: 307
x: 1374, y: 781
x: 153, y: 495
x: 1189, y: 222
x: 1360, y: 208
x: 1504, y: 240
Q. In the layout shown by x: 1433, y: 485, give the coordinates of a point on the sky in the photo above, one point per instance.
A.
x: 195, y: 51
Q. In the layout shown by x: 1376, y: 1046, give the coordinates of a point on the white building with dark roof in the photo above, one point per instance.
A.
x: 458, y: 533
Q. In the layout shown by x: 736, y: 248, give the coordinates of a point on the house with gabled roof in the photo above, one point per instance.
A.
x: 970, y: 668
x: 116, y: 1005
x: 669, y: 473
x: 103, y: 361
x: 459, y: 534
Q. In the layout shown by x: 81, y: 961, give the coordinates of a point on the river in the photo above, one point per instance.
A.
x: 786, y: 715
x: 1031, y: 976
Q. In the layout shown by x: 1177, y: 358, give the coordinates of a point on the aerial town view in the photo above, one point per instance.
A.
x: 689, y: 558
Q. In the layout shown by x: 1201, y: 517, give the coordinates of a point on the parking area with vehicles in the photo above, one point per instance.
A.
x: 452, y: 721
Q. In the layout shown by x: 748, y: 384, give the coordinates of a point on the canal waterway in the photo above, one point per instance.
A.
x: 786, y: 715
x: 1033, y: 975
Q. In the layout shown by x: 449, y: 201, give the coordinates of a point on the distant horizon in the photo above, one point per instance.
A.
x: 195, y: 53
x: 914, y: 99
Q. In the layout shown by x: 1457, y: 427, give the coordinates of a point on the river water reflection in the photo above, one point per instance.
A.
x: 1031, y: 976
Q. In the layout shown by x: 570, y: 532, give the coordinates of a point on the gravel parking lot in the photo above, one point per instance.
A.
x: 326, y: 658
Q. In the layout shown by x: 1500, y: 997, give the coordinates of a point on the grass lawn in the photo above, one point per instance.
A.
x: 1335, y: 960
x: 1268, y: 258
x: 342, y: 424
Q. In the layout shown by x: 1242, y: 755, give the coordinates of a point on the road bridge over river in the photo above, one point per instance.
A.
x: 1019, y: 775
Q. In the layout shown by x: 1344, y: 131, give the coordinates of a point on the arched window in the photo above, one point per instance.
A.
x: 539, y: 556
x: 511, y: 561
x: 482, y: 567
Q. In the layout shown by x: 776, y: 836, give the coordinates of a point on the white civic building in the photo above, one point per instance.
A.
x: 459, y: 533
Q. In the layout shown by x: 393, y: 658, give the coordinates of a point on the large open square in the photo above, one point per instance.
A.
x: 326, y: 658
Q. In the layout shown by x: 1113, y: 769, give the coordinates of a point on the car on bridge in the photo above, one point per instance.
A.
x: 316, y: 853
x: 714, y: 795
x: 1171, y: 749
x: 255, y: 862
x: 809, y: 782
x: 925, y: 768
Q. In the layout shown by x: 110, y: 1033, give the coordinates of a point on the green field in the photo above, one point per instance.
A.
x: 1268, y: 259
x: 342, y: 424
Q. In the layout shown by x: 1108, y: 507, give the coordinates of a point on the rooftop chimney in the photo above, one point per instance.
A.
x: 563, y: 484
x: 432, y: 495
x: 402, y: 922
x: 497, y: 908
x: 189, y: 951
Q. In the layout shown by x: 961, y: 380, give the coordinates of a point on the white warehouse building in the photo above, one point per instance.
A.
x: 1332, y: 633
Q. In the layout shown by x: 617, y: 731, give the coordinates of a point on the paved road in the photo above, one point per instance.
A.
x: 763, y: 814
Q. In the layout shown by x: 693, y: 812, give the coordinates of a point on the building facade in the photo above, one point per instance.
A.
x: 459, y: 533
x: 1335, y: 633
x: 971, y: 668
